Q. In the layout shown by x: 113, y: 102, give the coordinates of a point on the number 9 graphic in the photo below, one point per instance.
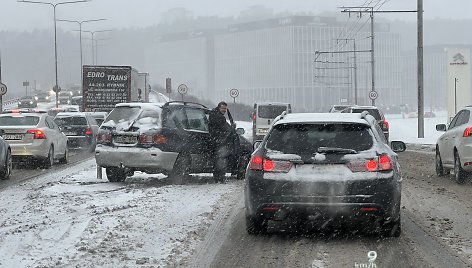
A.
x: 372, y: 256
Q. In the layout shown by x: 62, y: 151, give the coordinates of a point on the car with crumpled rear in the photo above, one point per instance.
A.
x: 170, y: 138
x: 329, y: 168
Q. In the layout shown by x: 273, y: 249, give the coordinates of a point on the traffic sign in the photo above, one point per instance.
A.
x: 182, y: 89
x: 3, y: 89
x: 234, y: 93
x: 26, y: 84
x: 56, y: 88
x: 373, y: 95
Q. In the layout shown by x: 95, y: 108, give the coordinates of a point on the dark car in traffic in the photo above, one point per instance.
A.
x: 27, y: 102
x: 5, y: 158
x: 329, y: 168
x: 376, y: 113
x: 170, y: 138
x: 80, y: 128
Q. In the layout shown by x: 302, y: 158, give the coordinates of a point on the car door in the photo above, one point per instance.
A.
x: 199, y: 139
x: 447, y: 152
x: 458, y: 132
x: 62, y: 138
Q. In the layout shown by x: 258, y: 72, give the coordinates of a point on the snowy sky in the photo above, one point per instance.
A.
x: 136, y: 13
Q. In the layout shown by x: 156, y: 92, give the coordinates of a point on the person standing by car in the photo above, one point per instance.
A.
x: 220, y: 135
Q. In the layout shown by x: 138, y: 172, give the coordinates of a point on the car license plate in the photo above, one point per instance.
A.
x: 125, y: 139
x: 13, y: 136
x: 70, y: 133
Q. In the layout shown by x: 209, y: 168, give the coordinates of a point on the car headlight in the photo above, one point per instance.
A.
x: 31, y: 102
x: 19, y: 102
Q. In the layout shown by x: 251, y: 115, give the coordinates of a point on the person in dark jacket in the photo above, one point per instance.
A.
x: 221, y: 140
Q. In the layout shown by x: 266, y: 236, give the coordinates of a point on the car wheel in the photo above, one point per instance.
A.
x: 243, y: 161
x: 392, y: 228
x: 5, y: 175
x: 256, y: 225
x: 439, y: 166
x: 49, y: 161
x: 459, y: 174
x: 181, y: 169
x: 116, y: 174
x: 65, y: 158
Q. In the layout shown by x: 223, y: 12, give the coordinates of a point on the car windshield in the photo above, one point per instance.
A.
x: 270, y: 111
x: 305, y: 139
x: 71, y: 121
x: 123, y: 113
x: 19, y: 120
x: 374, y: 112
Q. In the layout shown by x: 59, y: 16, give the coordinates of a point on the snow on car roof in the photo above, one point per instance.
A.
x: 150, y: 106
x: 80, y: 114
x: 272, y: 103
x: 322, y: 118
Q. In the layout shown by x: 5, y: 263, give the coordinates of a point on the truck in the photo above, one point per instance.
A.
x: 106, y: 86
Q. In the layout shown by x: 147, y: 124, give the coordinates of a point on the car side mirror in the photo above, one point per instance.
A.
x: 256, y: 144
x: 240, y: 131
x: 398, y: 146
x: 441, y: 127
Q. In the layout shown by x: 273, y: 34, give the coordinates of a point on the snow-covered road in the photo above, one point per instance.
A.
x: 70, y: 218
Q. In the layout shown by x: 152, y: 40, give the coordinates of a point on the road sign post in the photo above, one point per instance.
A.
x: 234, y: 93
x: 3, y: 91
x: 182, y: 89
x: 373, y: 95
x: 168, y: 86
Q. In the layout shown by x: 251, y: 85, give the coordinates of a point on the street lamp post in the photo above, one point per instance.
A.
x: 93, y: 41
x: 80, y: 37
x: 54, y: 5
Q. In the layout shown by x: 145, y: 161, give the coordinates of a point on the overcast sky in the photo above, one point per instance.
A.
x: 139, y: 13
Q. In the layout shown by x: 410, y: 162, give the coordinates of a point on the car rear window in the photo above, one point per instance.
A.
x: 71, y: 121
x: 303, y: 139
x: 123, y: 113
x: 374, y: 112
x: 19, y: 120
x: 270, y: 111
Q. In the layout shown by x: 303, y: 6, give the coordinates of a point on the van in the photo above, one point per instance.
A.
x: 263, y: 116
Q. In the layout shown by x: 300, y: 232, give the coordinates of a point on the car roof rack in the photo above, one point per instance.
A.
x: 279, y: 117
x: 22, y: 110
x: 184, y: 103
x: 364, y: 114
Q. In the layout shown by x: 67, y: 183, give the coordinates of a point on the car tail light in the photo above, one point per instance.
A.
x: 368, y: 209
x: 88, y: 132
x: 385, y: 163
x: 159, y: 139
x: 254, y: 117
x: 382, y: 163
x: 468, y: 132
x: 104, y: 138
x: 38, y: 133
x: 386, y: 124
x: 145, y: 139
x: 259, y: 163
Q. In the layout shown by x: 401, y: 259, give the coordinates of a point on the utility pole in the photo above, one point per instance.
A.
x: 355, y: 65
x: 420, y: 71
x: 419, y: 11
x: 372, y: 54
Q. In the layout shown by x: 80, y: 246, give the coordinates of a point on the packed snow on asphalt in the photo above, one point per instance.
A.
x: 71, y: 218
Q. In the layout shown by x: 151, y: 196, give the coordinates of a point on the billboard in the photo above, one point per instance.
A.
x: 458, y: 80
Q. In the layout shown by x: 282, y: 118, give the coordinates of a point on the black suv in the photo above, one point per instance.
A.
x: 170, y: 138
x: 375, y: 112
x: 326, y: 168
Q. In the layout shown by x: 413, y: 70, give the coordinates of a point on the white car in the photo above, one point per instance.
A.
x: 33, y: 136
x: 454, y: 147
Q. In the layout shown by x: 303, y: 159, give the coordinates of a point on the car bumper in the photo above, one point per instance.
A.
x: 39, y: 150
x: 79, y: 141
x: 134, y: 158
x: 465, y: 154
x: 279, y: 200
